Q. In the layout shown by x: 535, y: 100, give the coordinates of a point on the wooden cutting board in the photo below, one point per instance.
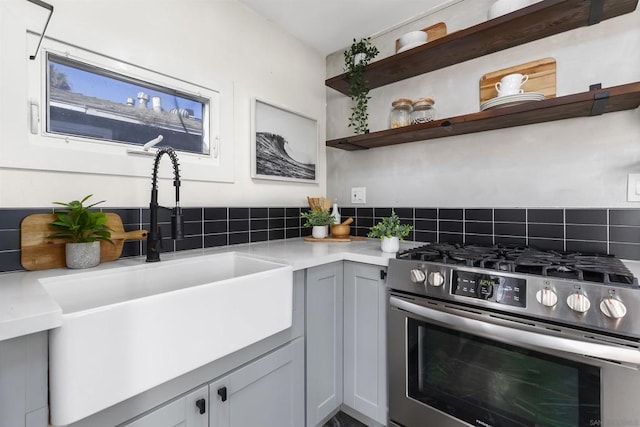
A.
x: 335, y: 239
x: 434, y: 32
x: 542, y: 79
x: 39, y: 253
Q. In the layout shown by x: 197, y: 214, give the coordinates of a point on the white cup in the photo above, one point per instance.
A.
x: 511, y: 84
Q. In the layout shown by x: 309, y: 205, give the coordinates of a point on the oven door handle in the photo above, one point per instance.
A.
x: 519, y: 336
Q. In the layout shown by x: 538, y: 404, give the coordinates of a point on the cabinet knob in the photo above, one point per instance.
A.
x: 201, y: 404
x: 222, y: 392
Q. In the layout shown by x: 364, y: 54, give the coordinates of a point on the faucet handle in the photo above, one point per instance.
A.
x: 159, y: 245
x: 177, y: 224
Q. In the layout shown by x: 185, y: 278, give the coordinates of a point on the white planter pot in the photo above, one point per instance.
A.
x: 82, y: 255
x: 390, y: 244
x: 320, y: 231
x: 359, y: 58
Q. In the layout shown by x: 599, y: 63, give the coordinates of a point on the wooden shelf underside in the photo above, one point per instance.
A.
x: 595, y: 102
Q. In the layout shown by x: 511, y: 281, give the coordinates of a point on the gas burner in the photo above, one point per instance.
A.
x: 591, y: 267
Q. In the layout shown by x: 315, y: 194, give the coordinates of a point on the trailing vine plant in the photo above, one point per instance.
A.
x: 356, y: 59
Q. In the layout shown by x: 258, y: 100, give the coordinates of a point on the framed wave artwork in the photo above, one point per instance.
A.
x: 284, y: 144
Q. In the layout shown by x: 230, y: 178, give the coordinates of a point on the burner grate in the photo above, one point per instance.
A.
x: 599, y: 268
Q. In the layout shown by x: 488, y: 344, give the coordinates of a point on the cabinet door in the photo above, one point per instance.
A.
x: 187, y: 411
x: 23, y: 381
x: 268, y: 392
x: 365, y: 364
x: 324, y: 341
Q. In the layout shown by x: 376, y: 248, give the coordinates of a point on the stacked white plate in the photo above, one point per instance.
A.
x: 509, y: 100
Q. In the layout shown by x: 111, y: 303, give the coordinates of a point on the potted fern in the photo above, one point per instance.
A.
x: 356, y: 58
x: 319, y: 220
x: 83, y: 230
x: 390, y: 231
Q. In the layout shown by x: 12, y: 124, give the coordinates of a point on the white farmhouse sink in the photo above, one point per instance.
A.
x: 126, y: 330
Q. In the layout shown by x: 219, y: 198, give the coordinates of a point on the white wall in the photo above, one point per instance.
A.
x: 579, y: 162
x: 197, y: 41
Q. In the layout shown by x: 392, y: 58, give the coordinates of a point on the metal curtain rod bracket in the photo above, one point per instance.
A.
x: 50, y: 9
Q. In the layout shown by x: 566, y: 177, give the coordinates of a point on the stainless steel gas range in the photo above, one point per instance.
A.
x: 512, y: 336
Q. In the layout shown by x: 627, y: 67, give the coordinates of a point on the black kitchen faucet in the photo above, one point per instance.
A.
x: 154, y: 238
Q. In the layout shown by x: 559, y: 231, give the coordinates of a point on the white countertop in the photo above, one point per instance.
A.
x: 26, y: 308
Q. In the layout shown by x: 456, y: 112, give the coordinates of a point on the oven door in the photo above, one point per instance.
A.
x: 451, y: 367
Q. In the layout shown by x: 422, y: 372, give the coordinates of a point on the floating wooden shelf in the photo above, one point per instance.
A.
x: 591, y: 103
x: 534, y: 22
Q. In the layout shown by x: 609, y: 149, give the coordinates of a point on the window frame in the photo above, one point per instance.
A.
x: 58, y: 152
x: 51, y: 57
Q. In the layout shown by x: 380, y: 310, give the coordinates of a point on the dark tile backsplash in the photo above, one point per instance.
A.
x: 545, y: 216
x: 586, y: 216
x: 613, y: 231
x: 510, y: 215
x: 479, y: 214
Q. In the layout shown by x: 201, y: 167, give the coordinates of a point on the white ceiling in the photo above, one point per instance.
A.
x: 331, y: 25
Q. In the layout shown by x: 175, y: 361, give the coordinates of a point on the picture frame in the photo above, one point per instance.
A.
x: 284, y: 144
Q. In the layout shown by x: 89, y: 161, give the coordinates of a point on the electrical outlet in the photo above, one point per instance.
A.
x: 359, y: 195
x: 633, y: 187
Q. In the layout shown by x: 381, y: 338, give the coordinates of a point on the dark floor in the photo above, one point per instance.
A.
x: 343, y: 420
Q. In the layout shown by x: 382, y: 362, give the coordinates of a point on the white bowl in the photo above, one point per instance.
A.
x: 502, y: 7
x: 413, y: 37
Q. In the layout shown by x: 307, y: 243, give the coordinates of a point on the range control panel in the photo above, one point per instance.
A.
x: 490, y: 287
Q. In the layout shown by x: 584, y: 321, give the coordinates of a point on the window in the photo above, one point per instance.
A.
x: 91, y: 113
x: 87, y: 101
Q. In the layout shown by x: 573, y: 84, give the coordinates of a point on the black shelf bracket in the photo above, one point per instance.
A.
x: 50, y: 9
x: 595, y: 13
x: 600, y: 101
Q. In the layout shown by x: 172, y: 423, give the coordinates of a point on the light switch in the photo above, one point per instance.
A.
x: 633, y: 187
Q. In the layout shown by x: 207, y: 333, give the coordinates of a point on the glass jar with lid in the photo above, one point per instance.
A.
x: 400, y: 113
x: 423, y: 111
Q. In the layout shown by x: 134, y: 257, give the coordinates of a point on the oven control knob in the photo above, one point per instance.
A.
x: 578, y: 302
x: 436, y: 278
x: 417, y: 276
x: 613, y: 308
x: 547, y: 297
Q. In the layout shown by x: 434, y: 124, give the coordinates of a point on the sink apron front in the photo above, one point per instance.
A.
x: 103, y: 355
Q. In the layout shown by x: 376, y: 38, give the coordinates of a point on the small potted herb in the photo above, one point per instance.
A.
x: 319, y: 220
x: 356, y: 59
x: 83, y: 230
x: 390, y: 231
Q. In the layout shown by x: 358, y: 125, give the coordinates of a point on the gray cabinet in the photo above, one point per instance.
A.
x: 23, y: 381
x: 323, y: 337
x: 365, y: 377
x: 268, y: 392
x: 190, y: 410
